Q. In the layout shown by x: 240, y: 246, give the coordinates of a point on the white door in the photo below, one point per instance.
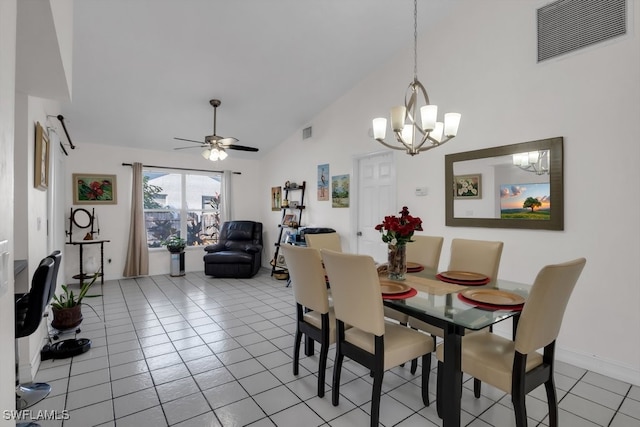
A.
x: 376, y: 198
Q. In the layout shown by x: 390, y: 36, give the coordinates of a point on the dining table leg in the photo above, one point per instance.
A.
x: 452, y: 376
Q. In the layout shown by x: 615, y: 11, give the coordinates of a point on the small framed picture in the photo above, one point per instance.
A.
x: 288, y: 219
x: 41, y: 160
x: 94, y: 189
x: 467, y: 186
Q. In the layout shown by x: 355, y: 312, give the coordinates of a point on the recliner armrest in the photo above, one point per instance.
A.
x: 216, y: 247
x: 253, y: 249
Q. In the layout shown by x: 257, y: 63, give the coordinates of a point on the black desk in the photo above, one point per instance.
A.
x: 81, y: 276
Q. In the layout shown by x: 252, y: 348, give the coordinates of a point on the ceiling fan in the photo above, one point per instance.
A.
x: 216, y: 145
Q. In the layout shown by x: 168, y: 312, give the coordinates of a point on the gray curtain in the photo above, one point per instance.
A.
x: 137, y: 252
x: 225, y: 205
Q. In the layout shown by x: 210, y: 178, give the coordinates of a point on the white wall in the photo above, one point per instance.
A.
x: 590, y: 97
x: 8, y: 12
x: 114, y: 219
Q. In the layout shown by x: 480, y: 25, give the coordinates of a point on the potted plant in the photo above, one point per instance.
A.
x: 67, y: 307
x: 174, y: 244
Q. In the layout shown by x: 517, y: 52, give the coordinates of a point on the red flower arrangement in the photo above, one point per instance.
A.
x: 398, y: 230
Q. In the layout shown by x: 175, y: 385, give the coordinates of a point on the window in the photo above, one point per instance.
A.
x: 183, y: 204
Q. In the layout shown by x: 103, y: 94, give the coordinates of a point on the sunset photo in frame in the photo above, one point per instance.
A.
x: 94, y: 189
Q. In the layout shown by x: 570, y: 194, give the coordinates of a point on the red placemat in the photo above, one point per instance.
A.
x: 463, y: 282
x: 410, y: 293
x: 490, y: 306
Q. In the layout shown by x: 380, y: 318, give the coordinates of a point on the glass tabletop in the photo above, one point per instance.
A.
x: 440, y: 309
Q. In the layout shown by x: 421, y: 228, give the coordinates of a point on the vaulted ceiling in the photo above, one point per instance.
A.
x: 145, y: 70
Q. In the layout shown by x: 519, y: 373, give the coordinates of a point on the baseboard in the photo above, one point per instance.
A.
x: 609, y: 368
x: 591, y: 362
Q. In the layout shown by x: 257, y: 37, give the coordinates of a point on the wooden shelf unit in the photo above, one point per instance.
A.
x: 276, y: 265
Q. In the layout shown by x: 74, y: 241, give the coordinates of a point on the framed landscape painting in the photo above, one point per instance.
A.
x: 340, y: 191
x: 94, y: 189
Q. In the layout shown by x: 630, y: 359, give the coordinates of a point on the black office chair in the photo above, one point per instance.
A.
x: 30, y: 308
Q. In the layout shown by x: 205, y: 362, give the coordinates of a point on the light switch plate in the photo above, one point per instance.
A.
x: 422, y: 191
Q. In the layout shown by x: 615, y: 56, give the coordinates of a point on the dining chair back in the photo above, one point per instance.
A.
x: 319, y: 241
x: 370, y: 341
x: 477, y: 256
x: 515, y: 366
x: 314, y: 316
x: 424, y: 250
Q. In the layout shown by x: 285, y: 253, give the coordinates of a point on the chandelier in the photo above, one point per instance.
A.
x: 534, y: 161
x: 412, y: 136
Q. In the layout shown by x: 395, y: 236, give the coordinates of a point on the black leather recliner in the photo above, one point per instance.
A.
x: 238, y: 253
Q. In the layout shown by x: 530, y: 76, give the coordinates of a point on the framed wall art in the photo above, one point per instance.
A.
x: 467, y: 186
x: 340, y: 191
x: 323, y: 182
x: 41, y: 159
x: 94, y: 189
x: 276, y: 198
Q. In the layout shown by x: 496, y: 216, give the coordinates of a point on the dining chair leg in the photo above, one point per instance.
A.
x: 477, y: 387
x: 296, y: 351
x: 337, y: 367
x: 322, y: 367
x: 520, y: 409
x: 414, y: 366
x: 375, y: 397
x: 552, y: 402
x: 426, y: 371
x: 439, y: 380
x: 308, y: 346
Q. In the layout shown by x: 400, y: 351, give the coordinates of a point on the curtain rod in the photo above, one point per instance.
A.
x: 181, y: 169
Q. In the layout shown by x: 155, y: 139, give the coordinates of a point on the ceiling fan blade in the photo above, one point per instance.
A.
x: 227, y: 141
x: 190, y: 140
x: 186, y: 148
x: 240, y: 147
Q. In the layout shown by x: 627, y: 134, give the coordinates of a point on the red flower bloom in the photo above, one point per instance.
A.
x: 399, y: 229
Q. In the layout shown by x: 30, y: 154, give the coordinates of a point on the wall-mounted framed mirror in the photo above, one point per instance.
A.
x: 513, y: 186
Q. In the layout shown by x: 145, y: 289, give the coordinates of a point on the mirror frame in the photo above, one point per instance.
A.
x: 554, y: 145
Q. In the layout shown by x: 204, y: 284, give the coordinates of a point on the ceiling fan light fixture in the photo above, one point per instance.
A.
x: 206, y: 153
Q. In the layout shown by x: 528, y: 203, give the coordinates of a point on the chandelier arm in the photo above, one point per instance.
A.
x: 393, y: 147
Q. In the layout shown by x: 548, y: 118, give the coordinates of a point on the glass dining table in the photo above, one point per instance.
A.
x: 442, y: 304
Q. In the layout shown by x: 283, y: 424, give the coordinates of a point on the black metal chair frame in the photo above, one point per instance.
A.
x: 375, y: 363
x: 311, y: 332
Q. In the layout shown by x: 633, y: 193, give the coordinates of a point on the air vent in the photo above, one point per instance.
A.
x: 568, y: 25
x: 306, y: 133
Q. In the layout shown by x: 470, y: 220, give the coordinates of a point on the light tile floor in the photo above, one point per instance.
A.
x: 200, y: 351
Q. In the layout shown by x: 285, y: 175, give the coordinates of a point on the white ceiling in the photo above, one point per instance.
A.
x: 145, y: 70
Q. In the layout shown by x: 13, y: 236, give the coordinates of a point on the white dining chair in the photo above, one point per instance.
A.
x: 515, y: 366
x: 371, y: 341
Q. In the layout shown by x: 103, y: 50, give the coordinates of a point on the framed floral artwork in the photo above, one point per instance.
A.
x: 41, y: 159
x: 467, y: 186
x: 94, y: 189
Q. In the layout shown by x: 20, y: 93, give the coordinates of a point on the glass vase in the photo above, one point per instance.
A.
x: 397, y: 268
